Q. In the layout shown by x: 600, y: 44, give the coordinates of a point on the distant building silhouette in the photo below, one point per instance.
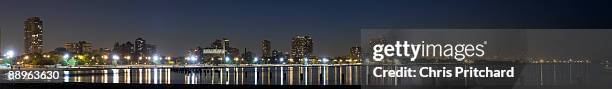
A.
x: 78, y: 47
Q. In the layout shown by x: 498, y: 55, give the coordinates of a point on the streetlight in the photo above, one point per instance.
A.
x: 10, y: 54
x: 325, y: 60
x: 115, y: 57
x: 105, y: 57
x: 168, y: 58
x: 255, y: 60
x: 155, y: 58
x: 66, y: 56
x: 192, y: 58
x: 227, y: 59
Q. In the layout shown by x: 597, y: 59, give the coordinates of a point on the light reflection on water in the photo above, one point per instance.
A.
x: 273, y: 75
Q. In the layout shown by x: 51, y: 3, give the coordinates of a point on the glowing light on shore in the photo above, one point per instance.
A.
x: 156, y: 58
x: 10, y: 54
x: 168, y: 58
x: 115, y: 57
x: 227, y: 59
x: 255, y: 60
x: 325, y: 60
x: 192, y: 58
x: 104, y: 57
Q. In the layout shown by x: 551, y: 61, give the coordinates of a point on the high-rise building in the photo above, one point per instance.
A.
x: 33, y: 35
x: 278, y: 57
x: 247, y: 57
x: 150, y: 49
x: 218, y: 44
x: 226, y: 43
x: 266, y: 49
x: 139, y: 45
x: 78, y: 47
x: 301, y: 47
x: 354, y: 55
x: 125, y: 51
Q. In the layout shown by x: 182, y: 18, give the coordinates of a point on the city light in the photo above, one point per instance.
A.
x: 105, y: 57
x: 10, y: 54
x: 168, y: 58
x: 255, y: 60
x: 325, y: 60
x: 156, y: 58
x: 192, y: 58
x: 115, y: 57
x: 65, y: 56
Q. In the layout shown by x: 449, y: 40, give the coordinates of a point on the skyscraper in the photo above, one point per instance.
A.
x: 33, y: 41
x: 301, y: 47
x: 226, y: 43
x: 222, y: 44
x: 354, y: 55
x: 139, y: 45
x: 266, y: 49
x: 217, y: 44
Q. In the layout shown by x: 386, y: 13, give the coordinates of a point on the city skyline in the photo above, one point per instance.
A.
x: 301, y: 45
x: 175, y: 26
x: 370, y: 44
x: 33, y: 26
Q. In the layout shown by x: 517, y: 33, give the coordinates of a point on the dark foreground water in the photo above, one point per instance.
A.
x: 300, y: 75
x: 528, y: 75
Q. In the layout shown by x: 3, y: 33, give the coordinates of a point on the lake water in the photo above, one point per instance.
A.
x: 285, y: 75
x: 531, y: 75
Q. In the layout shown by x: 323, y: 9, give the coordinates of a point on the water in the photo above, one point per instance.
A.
x: 531, y: 75
x: 273, y: 75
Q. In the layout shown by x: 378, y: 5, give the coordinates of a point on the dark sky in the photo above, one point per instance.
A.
x: 177, y: 25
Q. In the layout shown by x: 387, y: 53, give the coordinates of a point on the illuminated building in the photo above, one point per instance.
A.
x: 279, y: 57
x: 226, y: 43
x: 139, y: 45
x: 33, y: 35
x: 78, y: 47
x: 301, y: 47
x: 224, y: 46
x: 266, y: 52
x: 212, y: 55
x: 247, y: 57
x: 139, y: 51
x: 217, y: 44
x: 354, y: 55
x: 141, y: 48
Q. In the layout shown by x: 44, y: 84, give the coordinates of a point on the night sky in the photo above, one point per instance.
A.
x: 177, y: 25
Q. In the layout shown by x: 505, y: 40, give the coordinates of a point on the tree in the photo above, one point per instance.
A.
x: 71, y: 62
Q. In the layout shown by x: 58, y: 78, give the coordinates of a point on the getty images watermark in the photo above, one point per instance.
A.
x: 423, y: 49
